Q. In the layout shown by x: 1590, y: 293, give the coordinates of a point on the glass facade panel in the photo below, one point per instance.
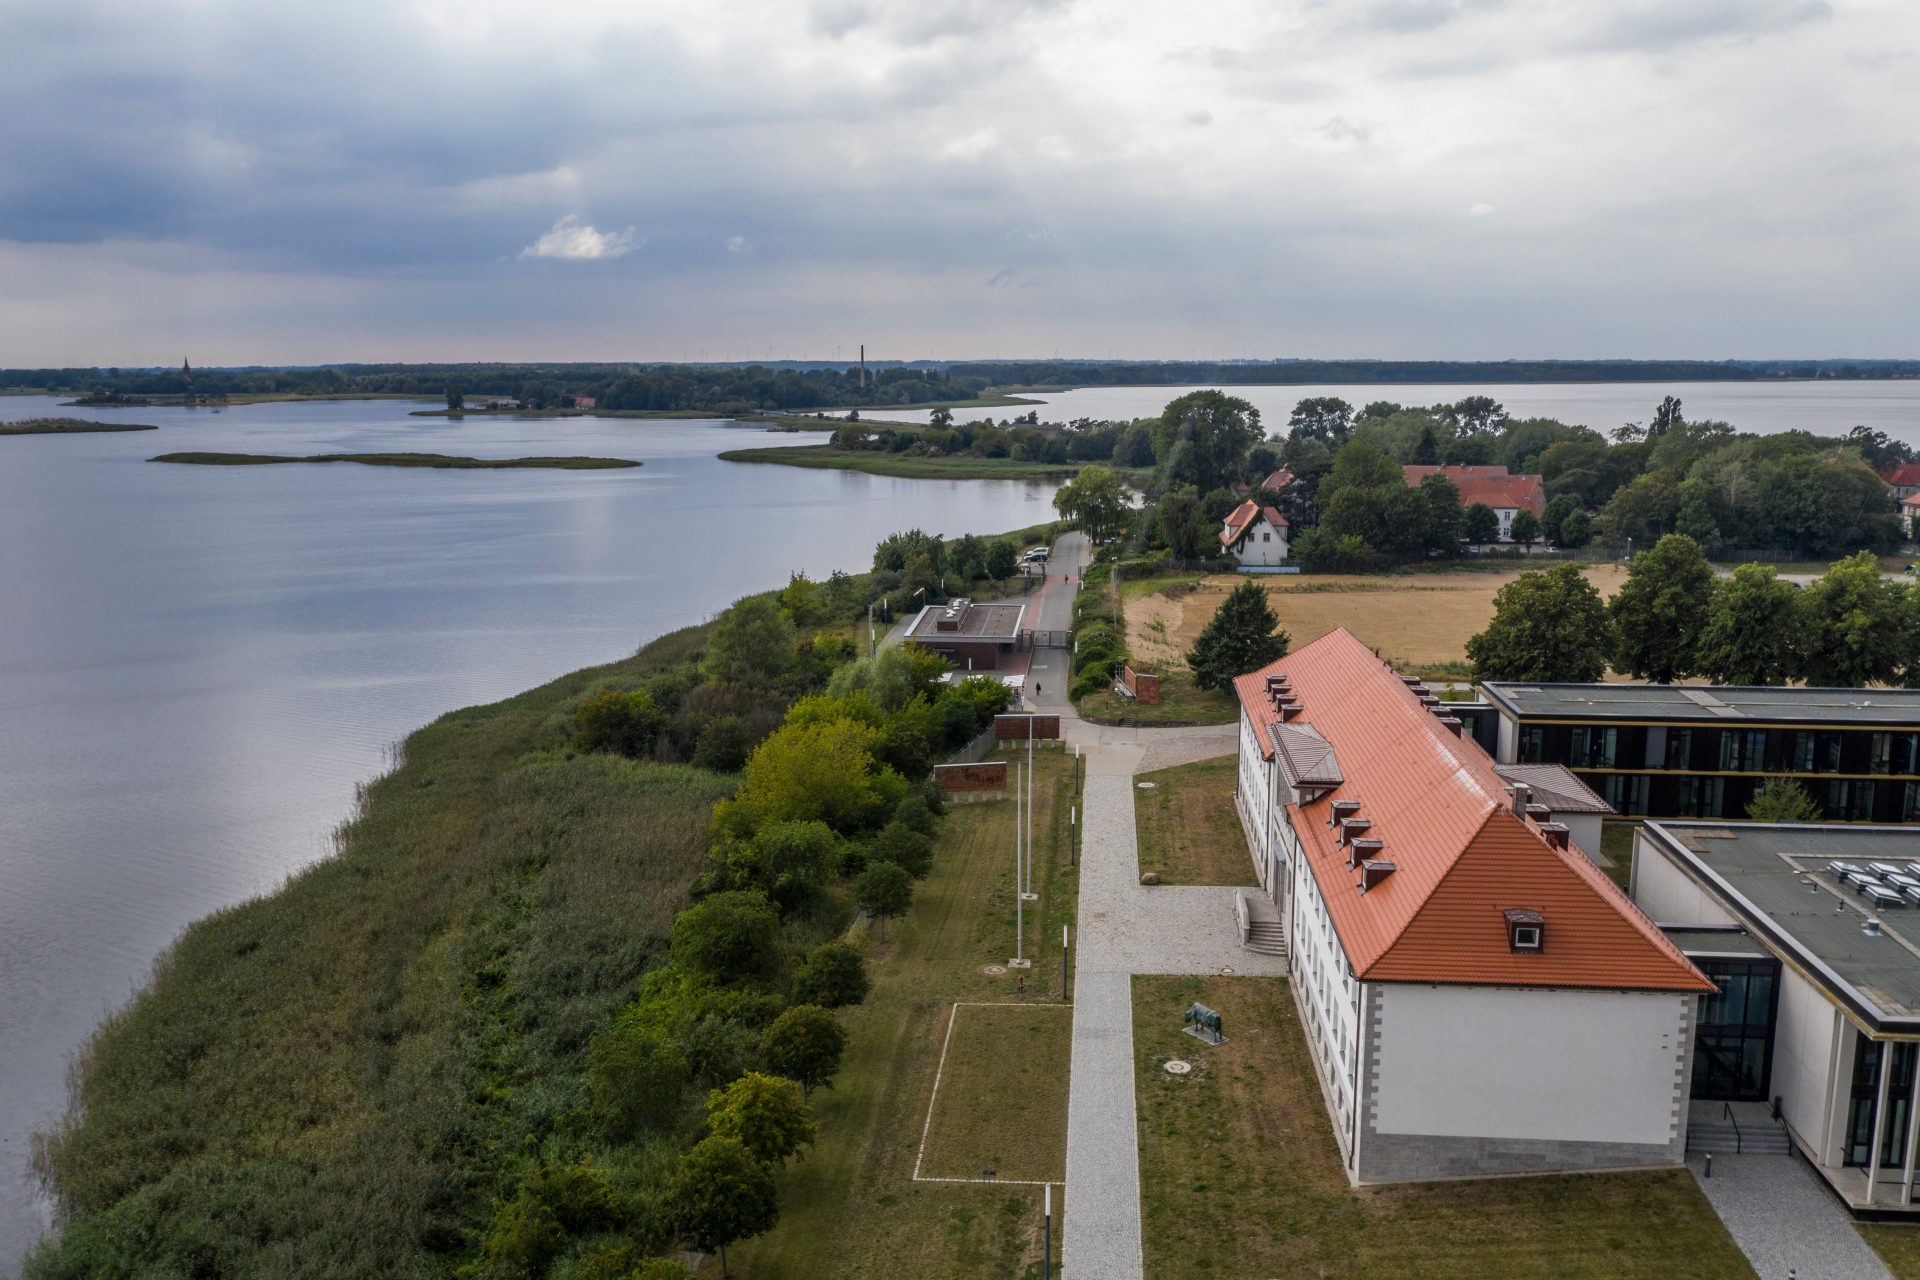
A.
x: 1679, y: 748
x: 1733, y: 1041
x: 1866, y: 1096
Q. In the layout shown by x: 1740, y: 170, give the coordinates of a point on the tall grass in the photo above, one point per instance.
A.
x: 332, y: 1080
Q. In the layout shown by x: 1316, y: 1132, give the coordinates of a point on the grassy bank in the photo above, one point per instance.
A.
x: 437, y: 461
x: 1240, y: 1176
x: 1189, y: 831
x: 328, y: 1079
x: 1182, y: 702
x: 871, y: 1121
x: 827, y: 457
x: 66, y: 426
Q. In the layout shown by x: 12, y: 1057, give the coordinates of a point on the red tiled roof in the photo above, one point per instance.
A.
x: 1276, y: 480
x: 1911, y: 500
x: 1462, y: 856
x: 1242, y: 519
x: 1905, y: 474
x: 1494, y: 486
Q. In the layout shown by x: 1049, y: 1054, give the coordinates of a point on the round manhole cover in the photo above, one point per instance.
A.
x: 1178, y: 1068
x: 1144, y: 786
x: 1226, y: 970
x: 994, y: 970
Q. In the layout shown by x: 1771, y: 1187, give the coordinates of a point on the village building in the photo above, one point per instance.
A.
x: 1909, y: 513
x: 1478, y: 996
x: 1496, y: 487
x: 973, y: 637
x: 1812, y: 935
x: 1903, y: 479
x: 1255, y: 536
x: 584, y: 401
x: 1678, y: 751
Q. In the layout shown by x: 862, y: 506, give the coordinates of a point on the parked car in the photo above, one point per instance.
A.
x: 1038, y: 553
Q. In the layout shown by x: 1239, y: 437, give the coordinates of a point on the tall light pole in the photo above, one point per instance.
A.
x: 1019, y: 960
x: 1026, y: 887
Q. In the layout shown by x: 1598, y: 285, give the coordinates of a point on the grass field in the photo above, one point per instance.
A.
x: 1416, y: 621
x: 1181, y: 702
x: 1001, y: 1104
x: 1898, y: 1247
x: 826, y: 456
x: 1189, y: 832
x: 437, y: 461
x: 860, y: 1171
x: 1240, y: 1176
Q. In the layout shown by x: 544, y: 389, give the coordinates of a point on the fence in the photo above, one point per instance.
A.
x: 979, y: 749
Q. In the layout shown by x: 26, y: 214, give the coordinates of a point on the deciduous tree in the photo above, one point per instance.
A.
x: 1659, y: 612
x: 1202, y: 439
x: 833, y: 975
x: 721, y: 1194
x: 1480, y: 524
x: 729, y: 936
x: 765, y: 1114
x: 751, y: 643
x: 804, y: 1044
x: 1547, y: 626
x: 1750, y: 636
x: 1855, y: 626
x: 883, y: 889
x: 1095, y: 501
x: 1525, y: 528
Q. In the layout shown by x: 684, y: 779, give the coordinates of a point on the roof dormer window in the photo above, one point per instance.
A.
x: 1526, y: 931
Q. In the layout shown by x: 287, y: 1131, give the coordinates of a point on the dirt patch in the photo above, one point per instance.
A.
x: 1418, y: 620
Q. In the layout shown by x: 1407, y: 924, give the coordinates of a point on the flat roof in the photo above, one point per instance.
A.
x: 976, y: 622
x: 1698, y: 943
x: 1775, y: 878
x: 1758, y: 704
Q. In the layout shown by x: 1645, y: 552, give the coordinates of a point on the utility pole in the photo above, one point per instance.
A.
x: 1019, y: 960
x: 1046, y: 1237
x: 1027, y: 888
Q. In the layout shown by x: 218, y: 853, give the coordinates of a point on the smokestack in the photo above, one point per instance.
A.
x: 863, y: 364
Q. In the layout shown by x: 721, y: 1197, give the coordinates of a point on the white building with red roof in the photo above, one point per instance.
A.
x: 1508, y: 494
x: 1255, y: 536
x: 1480, y: 998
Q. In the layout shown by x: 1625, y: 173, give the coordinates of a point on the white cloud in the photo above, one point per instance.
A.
x: 738, y: 244
x: 1481, y: 210
x: 575, y: 241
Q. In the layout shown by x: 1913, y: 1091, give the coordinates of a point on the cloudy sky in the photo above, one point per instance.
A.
x: 299, y: 181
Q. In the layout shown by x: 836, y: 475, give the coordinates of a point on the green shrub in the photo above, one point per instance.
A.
x: 729, y: 937
x: 622, y: 721
x: 833, y: 975
x: 525, y: 1236
x: 636, y: 1074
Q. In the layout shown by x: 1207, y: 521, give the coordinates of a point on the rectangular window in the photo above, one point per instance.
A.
x: 1594, y: 747
x: 1880, y: 753
x: 1802, y: 752
x: 1743, y: 750
x: 1533, y: 744
x: 1679, y: 748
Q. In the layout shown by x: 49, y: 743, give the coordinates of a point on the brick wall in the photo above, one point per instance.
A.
x: 1017, y: 728
x: 987, y: 775
x: 1144, y: 688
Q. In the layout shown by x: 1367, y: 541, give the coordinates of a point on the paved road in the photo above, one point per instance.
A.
x: 1051, y: 609
x: 1126, y: 929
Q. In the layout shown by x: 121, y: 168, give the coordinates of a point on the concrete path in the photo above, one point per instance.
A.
x: 1782, y: 1219
x: 1125, y: 929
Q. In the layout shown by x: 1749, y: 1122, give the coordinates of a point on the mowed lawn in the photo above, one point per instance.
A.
x: 1415, y: 620
x: 1898, y: 1247
x: 1240, y: 1176
x: 1001, y: 1106
x: 1189, y: 832
x: 850, y: 1207
x: 1182, y: 702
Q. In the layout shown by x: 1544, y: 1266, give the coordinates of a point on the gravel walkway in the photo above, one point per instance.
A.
x: 1127, y: 929
x: 1782, y: 1219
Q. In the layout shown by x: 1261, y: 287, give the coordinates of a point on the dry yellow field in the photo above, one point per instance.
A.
x: 1416, y: 620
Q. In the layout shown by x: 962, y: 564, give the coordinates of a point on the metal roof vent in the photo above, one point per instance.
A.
x: 1871, y: 928
x: 1373, y: 871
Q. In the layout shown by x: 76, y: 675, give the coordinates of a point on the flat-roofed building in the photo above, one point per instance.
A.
x: 1479, y: 998
x: 1693, y: 751
x: 974, y: 637
x: 1812, y: 935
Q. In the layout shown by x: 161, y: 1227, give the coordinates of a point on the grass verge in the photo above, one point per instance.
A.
x: 1240, y: 1176
x: 861, y: 1168
x: 1189, y: 831
x: 1898, y: 1247
x: 438, y: 461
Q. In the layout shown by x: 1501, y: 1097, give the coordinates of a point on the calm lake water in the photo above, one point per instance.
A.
x: 198, y: 664
x: 1825, y: 408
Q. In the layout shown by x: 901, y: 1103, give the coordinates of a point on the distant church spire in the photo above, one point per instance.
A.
x: 186, y: 371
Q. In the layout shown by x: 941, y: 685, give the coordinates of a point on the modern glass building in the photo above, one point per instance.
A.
x: 1685, y: 751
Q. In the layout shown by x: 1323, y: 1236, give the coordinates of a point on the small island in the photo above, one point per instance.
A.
x: 439, y: 461
x: 66, y: 426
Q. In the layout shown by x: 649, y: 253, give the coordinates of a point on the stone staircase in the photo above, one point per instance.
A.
x: 1261, y: 929
x: 1758, y: 1133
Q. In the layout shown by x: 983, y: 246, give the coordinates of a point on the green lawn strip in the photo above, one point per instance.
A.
x: 1182, y: 702
x: 1002, y: 1099
x: 438, y: 461
x: 850, y: 1208
x: 1189, y: 830
x: 1240, y: 1176
x: 1898, y: 1247
x: 1616, y: 846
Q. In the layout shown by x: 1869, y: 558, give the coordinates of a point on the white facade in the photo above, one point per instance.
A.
x: 1262, y: 547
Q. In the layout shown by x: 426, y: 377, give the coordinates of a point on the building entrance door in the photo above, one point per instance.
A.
x: 1733, y: 1038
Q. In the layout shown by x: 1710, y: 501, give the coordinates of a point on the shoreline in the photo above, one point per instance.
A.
x: 434, y: 461
x: 824, y: 457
